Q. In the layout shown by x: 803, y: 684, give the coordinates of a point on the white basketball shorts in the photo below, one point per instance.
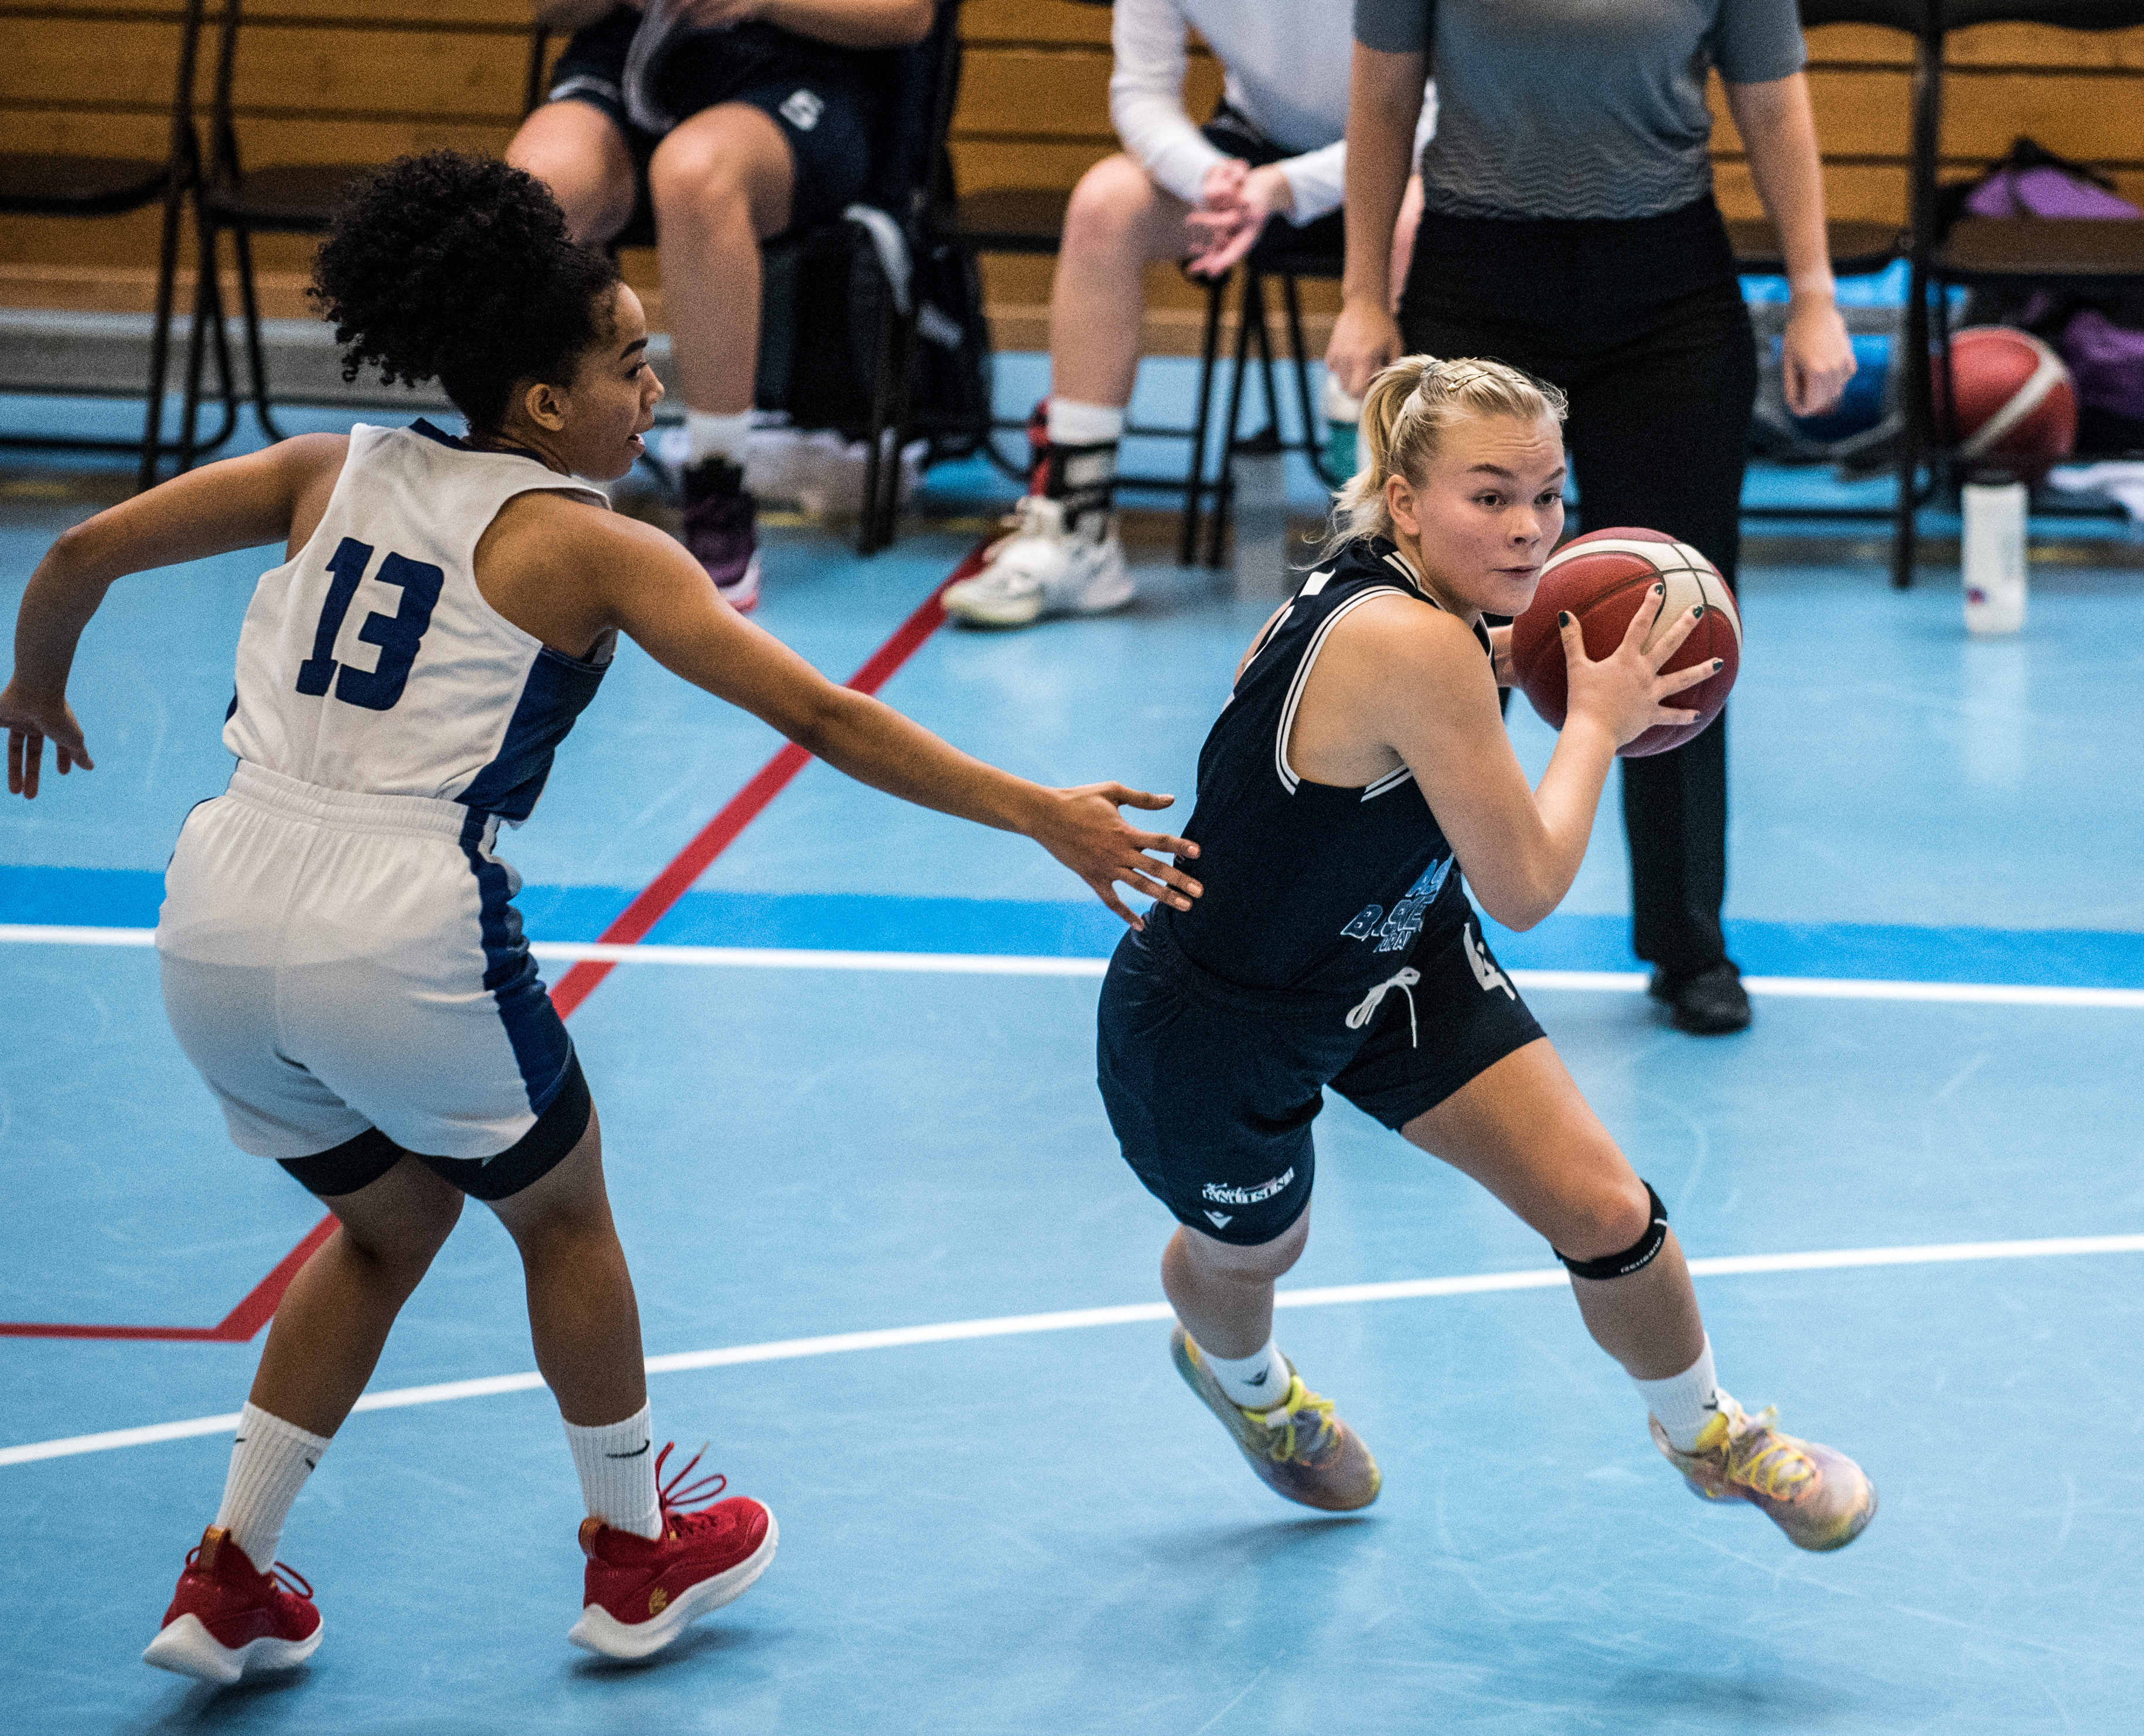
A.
x: 335, y: 961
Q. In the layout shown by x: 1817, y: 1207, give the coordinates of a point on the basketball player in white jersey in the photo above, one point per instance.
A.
x: 341, y: 959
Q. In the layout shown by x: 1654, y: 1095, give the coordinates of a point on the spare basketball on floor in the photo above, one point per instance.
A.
x: 1602, y: 578
x: 2012, y: 404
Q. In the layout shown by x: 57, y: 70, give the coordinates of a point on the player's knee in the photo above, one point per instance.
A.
x: 1108, y: 207
x: 1257, y: 1263
x: 1620, y: 1229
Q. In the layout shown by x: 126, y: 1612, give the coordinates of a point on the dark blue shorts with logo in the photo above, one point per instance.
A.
x: 1212, y: 1087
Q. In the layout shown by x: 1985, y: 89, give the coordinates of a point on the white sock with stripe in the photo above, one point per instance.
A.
x: 269, y: 1462
x: 1257, y: 1382
x: 1684, y: 1402
x: 617, y: 1465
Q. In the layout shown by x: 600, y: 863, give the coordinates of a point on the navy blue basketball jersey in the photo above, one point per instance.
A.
x: 1310, y: 888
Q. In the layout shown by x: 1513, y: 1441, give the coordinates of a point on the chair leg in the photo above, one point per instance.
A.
x: 1250, y: 309
x: 1292, y: 302
x: 881, y: 502
x: 1913, y: 431
x: 248, y: 302
x: 208, y: 304
x: 1194, y: 481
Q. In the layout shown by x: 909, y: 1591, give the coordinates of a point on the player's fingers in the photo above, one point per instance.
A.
x: 1148, y: 886
x: 34, y: 753
x: 1172, y: 876
x: 1107, y: 892
x: 1671, y: 637
x: 1676, y: 682
x: 1644, y: 617
x: 1145, y: 799
x: 1167, y: 846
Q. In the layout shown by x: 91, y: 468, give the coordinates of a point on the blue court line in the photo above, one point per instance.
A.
x: 2067, y: 958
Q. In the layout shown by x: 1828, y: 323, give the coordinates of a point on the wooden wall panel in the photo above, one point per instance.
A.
x: 328, y: 81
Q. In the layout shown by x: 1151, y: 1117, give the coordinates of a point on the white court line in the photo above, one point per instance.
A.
x: 1011, y: 1325
x: 966, y: 964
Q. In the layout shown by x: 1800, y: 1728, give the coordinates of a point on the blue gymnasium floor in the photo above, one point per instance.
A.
x: 1041, y: 1530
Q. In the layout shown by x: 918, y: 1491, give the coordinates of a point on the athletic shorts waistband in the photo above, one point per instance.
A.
x: 357, y: 809
x: 1162, y: 953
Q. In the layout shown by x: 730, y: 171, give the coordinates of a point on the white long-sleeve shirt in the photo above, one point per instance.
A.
x: 1287, y: 63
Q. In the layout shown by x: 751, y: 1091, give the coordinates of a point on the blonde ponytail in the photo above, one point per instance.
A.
x: 1409, y: 405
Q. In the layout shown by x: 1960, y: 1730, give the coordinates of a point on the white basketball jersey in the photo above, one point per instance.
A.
x: 372, y: 664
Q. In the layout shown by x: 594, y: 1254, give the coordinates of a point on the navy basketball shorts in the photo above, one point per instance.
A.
x: 1211, y: 1087
x: 347, y: 974
x: 826, y: 123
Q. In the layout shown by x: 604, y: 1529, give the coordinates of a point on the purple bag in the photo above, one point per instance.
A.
x: 2045, y: 191
x: 2106, y: 358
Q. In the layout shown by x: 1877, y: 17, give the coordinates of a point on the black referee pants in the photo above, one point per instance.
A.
x: 1640, y: 321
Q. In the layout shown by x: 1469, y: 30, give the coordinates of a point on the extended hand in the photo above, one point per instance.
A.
x: 28, y: 722
x: 1816, y: 357
x: 1626, y: 691
x: 1084, y: 832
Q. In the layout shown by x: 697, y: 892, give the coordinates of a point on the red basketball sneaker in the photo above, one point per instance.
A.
x: 644, y: 1591
x: 228, y: 1617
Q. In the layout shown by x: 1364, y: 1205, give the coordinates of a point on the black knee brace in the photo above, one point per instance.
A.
x: 1636, y: 1258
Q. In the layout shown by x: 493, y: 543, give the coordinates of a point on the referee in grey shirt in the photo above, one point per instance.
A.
x: 1569, y: 228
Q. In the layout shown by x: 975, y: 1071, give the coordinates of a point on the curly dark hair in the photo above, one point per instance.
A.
x: 459, y: 269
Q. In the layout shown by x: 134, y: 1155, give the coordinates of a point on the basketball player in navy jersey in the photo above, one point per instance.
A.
x: 1360, y: 767
x: 340, y: 958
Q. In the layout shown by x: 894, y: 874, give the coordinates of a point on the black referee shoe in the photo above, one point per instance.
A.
x: 1709, y: 1003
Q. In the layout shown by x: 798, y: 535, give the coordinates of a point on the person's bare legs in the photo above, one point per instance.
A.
x: 333, y: 1320
x: 1521, y: 1130
x: 1224, y: 1293
x: 721, y: 183
x: 1118, y: 220
x: 582, y: 1316
x: 576, y: 149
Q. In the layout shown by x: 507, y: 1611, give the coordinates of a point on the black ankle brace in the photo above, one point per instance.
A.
x: 1636, y: 1258
x: 1083, y: 478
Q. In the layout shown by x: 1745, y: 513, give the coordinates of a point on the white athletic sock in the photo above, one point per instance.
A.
x: 617, y: 1464
x: 717, y: 436
x: 1684, y: 1402
x: 1075, y: 424
x: 1256, y: 1382
x: 269, y: 1462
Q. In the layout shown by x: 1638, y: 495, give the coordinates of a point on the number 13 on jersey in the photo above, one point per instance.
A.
x: 397, y: 635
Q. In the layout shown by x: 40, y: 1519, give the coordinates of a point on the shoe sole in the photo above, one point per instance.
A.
x: 743, y: 594
x: 603, y: 1632
x: 1200, y: 1380
x: 1026, y: 611
x: 186, y: 1648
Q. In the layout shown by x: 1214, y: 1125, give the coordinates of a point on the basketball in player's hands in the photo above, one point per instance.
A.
x: 1603, y: 578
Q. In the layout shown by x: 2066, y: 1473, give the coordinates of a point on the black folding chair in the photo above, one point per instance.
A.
x: 281, y: 199
x: 65, y: 184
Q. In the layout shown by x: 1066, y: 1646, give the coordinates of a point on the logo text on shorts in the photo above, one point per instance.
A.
x: 802, y: 109
x: 1256, y: 1196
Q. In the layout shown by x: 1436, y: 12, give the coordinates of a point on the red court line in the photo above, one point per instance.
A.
x: 631, y: 926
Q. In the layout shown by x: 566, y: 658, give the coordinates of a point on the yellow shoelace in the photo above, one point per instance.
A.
x: 1761, y: 1459
x: 1281, y: 1418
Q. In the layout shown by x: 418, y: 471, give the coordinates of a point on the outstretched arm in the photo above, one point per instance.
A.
x: 662, y: 597
x: 239, y: 503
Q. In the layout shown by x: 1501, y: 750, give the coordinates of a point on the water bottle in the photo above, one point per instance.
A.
x: 1994, y: 558
x: 1341, y: 415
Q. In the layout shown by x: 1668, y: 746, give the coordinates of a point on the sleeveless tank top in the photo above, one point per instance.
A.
x: 1310, y: 889
x: 371, y: 662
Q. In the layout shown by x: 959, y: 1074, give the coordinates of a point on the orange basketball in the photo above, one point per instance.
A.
x: 1601, y: 578
x: 2012, y: 402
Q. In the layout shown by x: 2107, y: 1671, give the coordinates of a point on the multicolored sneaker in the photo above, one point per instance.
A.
x: 1046, y: 565
x: 1299, y: 1448
x: 721, y: 529
x: 1821, y: 1499
x: 227, y: 1617
x: 643, y: 1592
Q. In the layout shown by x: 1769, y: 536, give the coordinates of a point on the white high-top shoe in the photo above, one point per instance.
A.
x: 1045, y: 568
